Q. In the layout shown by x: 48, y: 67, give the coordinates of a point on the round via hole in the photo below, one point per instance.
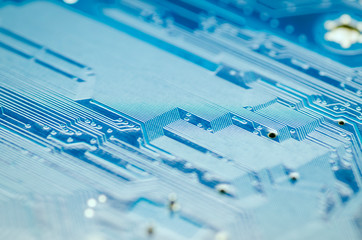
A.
x: 222, y: 191
x: 294, y: 176
x: 341, y: 122
x: 272, y: 135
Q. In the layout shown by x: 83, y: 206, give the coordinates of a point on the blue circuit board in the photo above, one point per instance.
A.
x: 180, y: 119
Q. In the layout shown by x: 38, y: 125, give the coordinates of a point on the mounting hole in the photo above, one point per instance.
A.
x: 341, y: 122
x: 272, y: 135
x: 344, y: 31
